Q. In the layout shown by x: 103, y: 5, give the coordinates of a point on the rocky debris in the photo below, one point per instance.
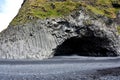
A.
x: 78, y: 33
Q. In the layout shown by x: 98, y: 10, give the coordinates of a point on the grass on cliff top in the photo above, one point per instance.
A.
x: 104, y: 7
x: 53, y: 9
x: 34, y: 9
x: 44, y: 9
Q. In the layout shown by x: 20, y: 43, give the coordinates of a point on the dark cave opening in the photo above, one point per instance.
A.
x: 85, y: 46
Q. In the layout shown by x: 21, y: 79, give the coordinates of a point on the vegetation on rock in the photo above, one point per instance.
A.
x: 43, y: 28
x: 34, y: 9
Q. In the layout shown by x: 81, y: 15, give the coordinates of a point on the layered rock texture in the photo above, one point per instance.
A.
x: 78, y: 32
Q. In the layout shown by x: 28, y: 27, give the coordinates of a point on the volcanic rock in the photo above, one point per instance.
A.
x: 79, y: 33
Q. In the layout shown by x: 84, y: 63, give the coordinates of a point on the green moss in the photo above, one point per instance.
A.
x: 95, y: 10
x: 44, y: 9
x: 103, y: 7
x: 22, y: 16
x: 54, y: 9
x: 34, y: 9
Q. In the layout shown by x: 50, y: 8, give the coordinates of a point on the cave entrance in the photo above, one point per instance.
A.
x: 84, y: 46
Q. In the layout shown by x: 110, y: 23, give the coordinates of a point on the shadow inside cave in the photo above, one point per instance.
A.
x: 84, y: 46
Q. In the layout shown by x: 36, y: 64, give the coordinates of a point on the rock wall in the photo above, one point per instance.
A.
x: 26, y: 41
x: 41, y: 39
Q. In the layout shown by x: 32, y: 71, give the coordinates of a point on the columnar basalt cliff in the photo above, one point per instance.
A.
x: 79, y: 32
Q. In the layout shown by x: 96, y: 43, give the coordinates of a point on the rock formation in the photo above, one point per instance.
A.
x: 118, y: 18
x: 80, y: 33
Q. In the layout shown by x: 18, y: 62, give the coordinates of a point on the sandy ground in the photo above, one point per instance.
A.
x: 61, y: 68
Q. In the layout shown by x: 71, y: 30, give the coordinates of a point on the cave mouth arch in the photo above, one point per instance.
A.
x: 84, y: 46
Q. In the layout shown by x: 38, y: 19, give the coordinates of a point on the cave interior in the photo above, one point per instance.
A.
x: 84, y: 46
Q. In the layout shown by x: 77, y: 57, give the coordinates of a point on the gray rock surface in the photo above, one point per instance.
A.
x: 41, y: 39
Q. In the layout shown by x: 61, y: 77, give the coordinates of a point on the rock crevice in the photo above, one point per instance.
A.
x: 78, y: 34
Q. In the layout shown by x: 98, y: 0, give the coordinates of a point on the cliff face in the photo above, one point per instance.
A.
x: 74, y: 30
